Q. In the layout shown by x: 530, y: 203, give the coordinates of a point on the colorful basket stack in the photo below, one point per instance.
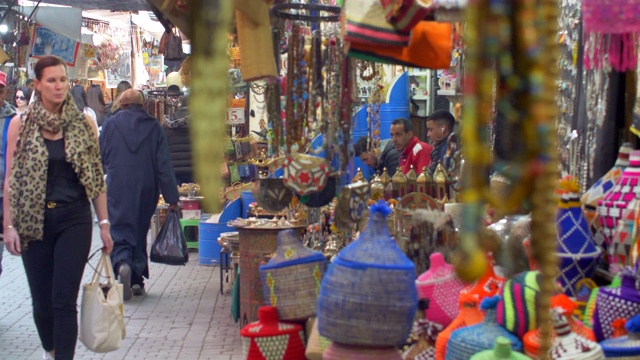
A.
x: 625, y: 347
x: 502, y: 350
x: 369, y: 286
x: 488, y: 285
x: 611, y: 206
x: 270, y: 339
x: 469, y: 315
x: 516, y: 310
x: 600, y: 188
x: 578, y: 252
x: 615, y: 303
x: 441, y: 287
x: 291, y: 279
x: 467, y: 341
x: 625, y: 236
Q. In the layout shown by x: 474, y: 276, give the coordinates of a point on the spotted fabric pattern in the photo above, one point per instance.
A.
x: 27, y: 184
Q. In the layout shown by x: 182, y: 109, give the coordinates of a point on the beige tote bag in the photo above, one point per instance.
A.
x: 102, y: 311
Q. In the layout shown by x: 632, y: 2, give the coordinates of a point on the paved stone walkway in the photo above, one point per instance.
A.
x: 183, y: 316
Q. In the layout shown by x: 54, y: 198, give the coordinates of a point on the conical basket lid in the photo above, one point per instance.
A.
x: 375, y: 247
x: 290, y: 251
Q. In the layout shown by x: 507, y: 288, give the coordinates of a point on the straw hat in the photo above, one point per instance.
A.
x: 254, y: 37
x: 174, y: 78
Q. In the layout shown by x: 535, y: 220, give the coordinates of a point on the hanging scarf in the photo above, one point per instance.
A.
x: 611, y: 29
x: 27, y: 187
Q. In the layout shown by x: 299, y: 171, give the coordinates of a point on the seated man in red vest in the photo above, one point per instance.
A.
x: 412, y: 150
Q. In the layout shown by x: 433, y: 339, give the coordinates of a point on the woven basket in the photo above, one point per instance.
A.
x: 469, y: 315
x: 517, y: 306
x: 268, y: 338
x: 502, y: 350
x: 291, y: 279
x: 350, y: 352
x: 316, y: 344
x: 441, y: 287
x: 470, y: 340
x: 624, y: 347
x: 614, y: 303
x: 369, y: 287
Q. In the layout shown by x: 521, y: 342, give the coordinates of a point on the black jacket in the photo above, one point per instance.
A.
x: 177, y: 132
x: 388, y: 158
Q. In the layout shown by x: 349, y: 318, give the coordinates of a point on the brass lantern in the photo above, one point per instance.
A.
x: 359, y: 177
x: 424, y: 182
x: 377, y: 188
x: 399, y: 183
x: 411, y: 180
x: 441, y: 181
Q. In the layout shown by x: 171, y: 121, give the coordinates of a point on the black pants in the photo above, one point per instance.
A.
x: 54, y: 269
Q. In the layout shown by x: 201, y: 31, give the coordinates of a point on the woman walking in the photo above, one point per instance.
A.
x: 54, y: 168
x: 80, y: 99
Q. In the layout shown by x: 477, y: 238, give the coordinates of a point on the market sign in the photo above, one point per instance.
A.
x: 235, y: 116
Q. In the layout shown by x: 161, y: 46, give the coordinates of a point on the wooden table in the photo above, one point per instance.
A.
x: 255, y: 244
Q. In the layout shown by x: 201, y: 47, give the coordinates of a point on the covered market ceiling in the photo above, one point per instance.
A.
x: 117, y: 5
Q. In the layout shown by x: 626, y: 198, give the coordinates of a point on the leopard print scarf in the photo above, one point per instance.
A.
x: 27, y: 185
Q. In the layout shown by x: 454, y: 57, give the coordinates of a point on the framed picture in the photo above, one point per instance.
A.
x: 47, y: 42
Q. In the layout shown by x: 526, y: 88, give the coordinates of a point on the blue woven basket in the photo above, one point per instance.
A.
x: 291, y: 279
x: 368, y: 296
x: 470, y: 340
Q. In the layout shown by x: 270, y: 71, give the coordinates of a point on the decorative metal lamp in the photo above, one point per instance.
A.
x: 424, y: 182
x: 441, y: 181
x: 399, y: 183
x: 411, y: 180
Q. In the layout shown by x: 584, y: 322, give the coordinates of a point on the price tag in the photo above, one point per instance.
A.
x: 235, y: 116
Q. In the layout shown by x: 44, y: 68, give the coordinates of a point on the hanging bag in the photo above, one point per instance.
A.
x: 170, y: 247
x: 102, y: 311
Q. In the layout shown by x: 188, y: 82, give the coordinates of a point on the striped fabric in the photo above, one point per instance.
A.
x: 516, y: 309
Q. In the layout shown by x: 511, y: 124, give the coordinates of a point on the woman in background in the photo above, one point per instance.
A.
x: 80, y: 98
x: 95, y: 100
x: 114, y: 107
x: 21, y: 99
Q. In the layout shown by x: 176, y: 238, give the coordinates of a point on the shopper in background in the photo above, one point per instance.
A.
x: 80, y: 99
x: 439, y: 126
x: 176, y: 129
x: 47, y: 214
x: 114, y: 107
x: 387, y: 156
x: 413, y: 152
x: 136, y: 157
x: 21, y: 99
x: 6, y: 113
x: 95, y: 100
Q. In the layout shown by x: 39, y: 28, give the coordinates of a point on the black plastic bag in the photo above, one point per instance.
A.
x: 170, y: 246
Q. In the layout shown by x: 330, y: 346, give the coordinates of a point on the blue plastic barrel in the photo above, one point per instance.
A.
x: 247, y: 199
x: 208, y: 247
x: 232, y: 210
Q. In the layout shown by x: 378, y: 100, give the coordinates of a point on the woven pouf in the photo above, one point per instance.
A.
x: 488, y: 285
x: 563, y: 304
x: 270, y: 339
x: 576, y: 249
x: 615, y: 303
x: 291, y: 279
x: 368, y: 296
x: 624, y: 347
x: 467, y: 341
x: 501, y: 350
x: 611, y: 206
x: 600, y: 188
x: 441, y: 287
x: 337, y: 351
x: 469, y: 314
x: 516, y: 310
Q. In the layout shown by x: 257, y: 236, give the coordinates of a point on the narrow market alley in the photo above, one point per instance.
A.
x: 183, y: 315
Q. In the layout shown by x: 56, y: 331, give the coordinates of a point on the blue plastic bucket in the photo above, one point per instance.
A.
x: 208, y: 247
x: 247, y: 199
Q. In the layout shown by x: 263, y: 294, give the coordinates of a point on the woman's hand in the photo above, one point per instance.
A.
x: 105, y: 235
x: 12, y: 240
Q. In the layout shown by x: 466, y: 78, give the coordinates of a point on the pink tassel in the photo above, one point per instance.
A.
x: 614, y: 51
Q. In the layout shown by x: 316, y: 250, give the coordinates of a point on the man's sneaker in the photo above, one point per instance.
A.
x: 138, y: 290
x: 47, y: 356
x: 124, y: 274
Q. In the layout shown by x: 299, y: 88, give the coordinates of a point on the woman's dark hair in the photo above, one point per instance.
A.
x: 79, y: 96
x: 26, y: 92
x: 95, y: 100
x: 46, y: 62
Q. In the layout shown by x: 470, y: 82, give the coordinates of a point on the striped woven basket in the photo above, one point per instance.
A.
x: 291, y: 279
x: 368, y: 296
